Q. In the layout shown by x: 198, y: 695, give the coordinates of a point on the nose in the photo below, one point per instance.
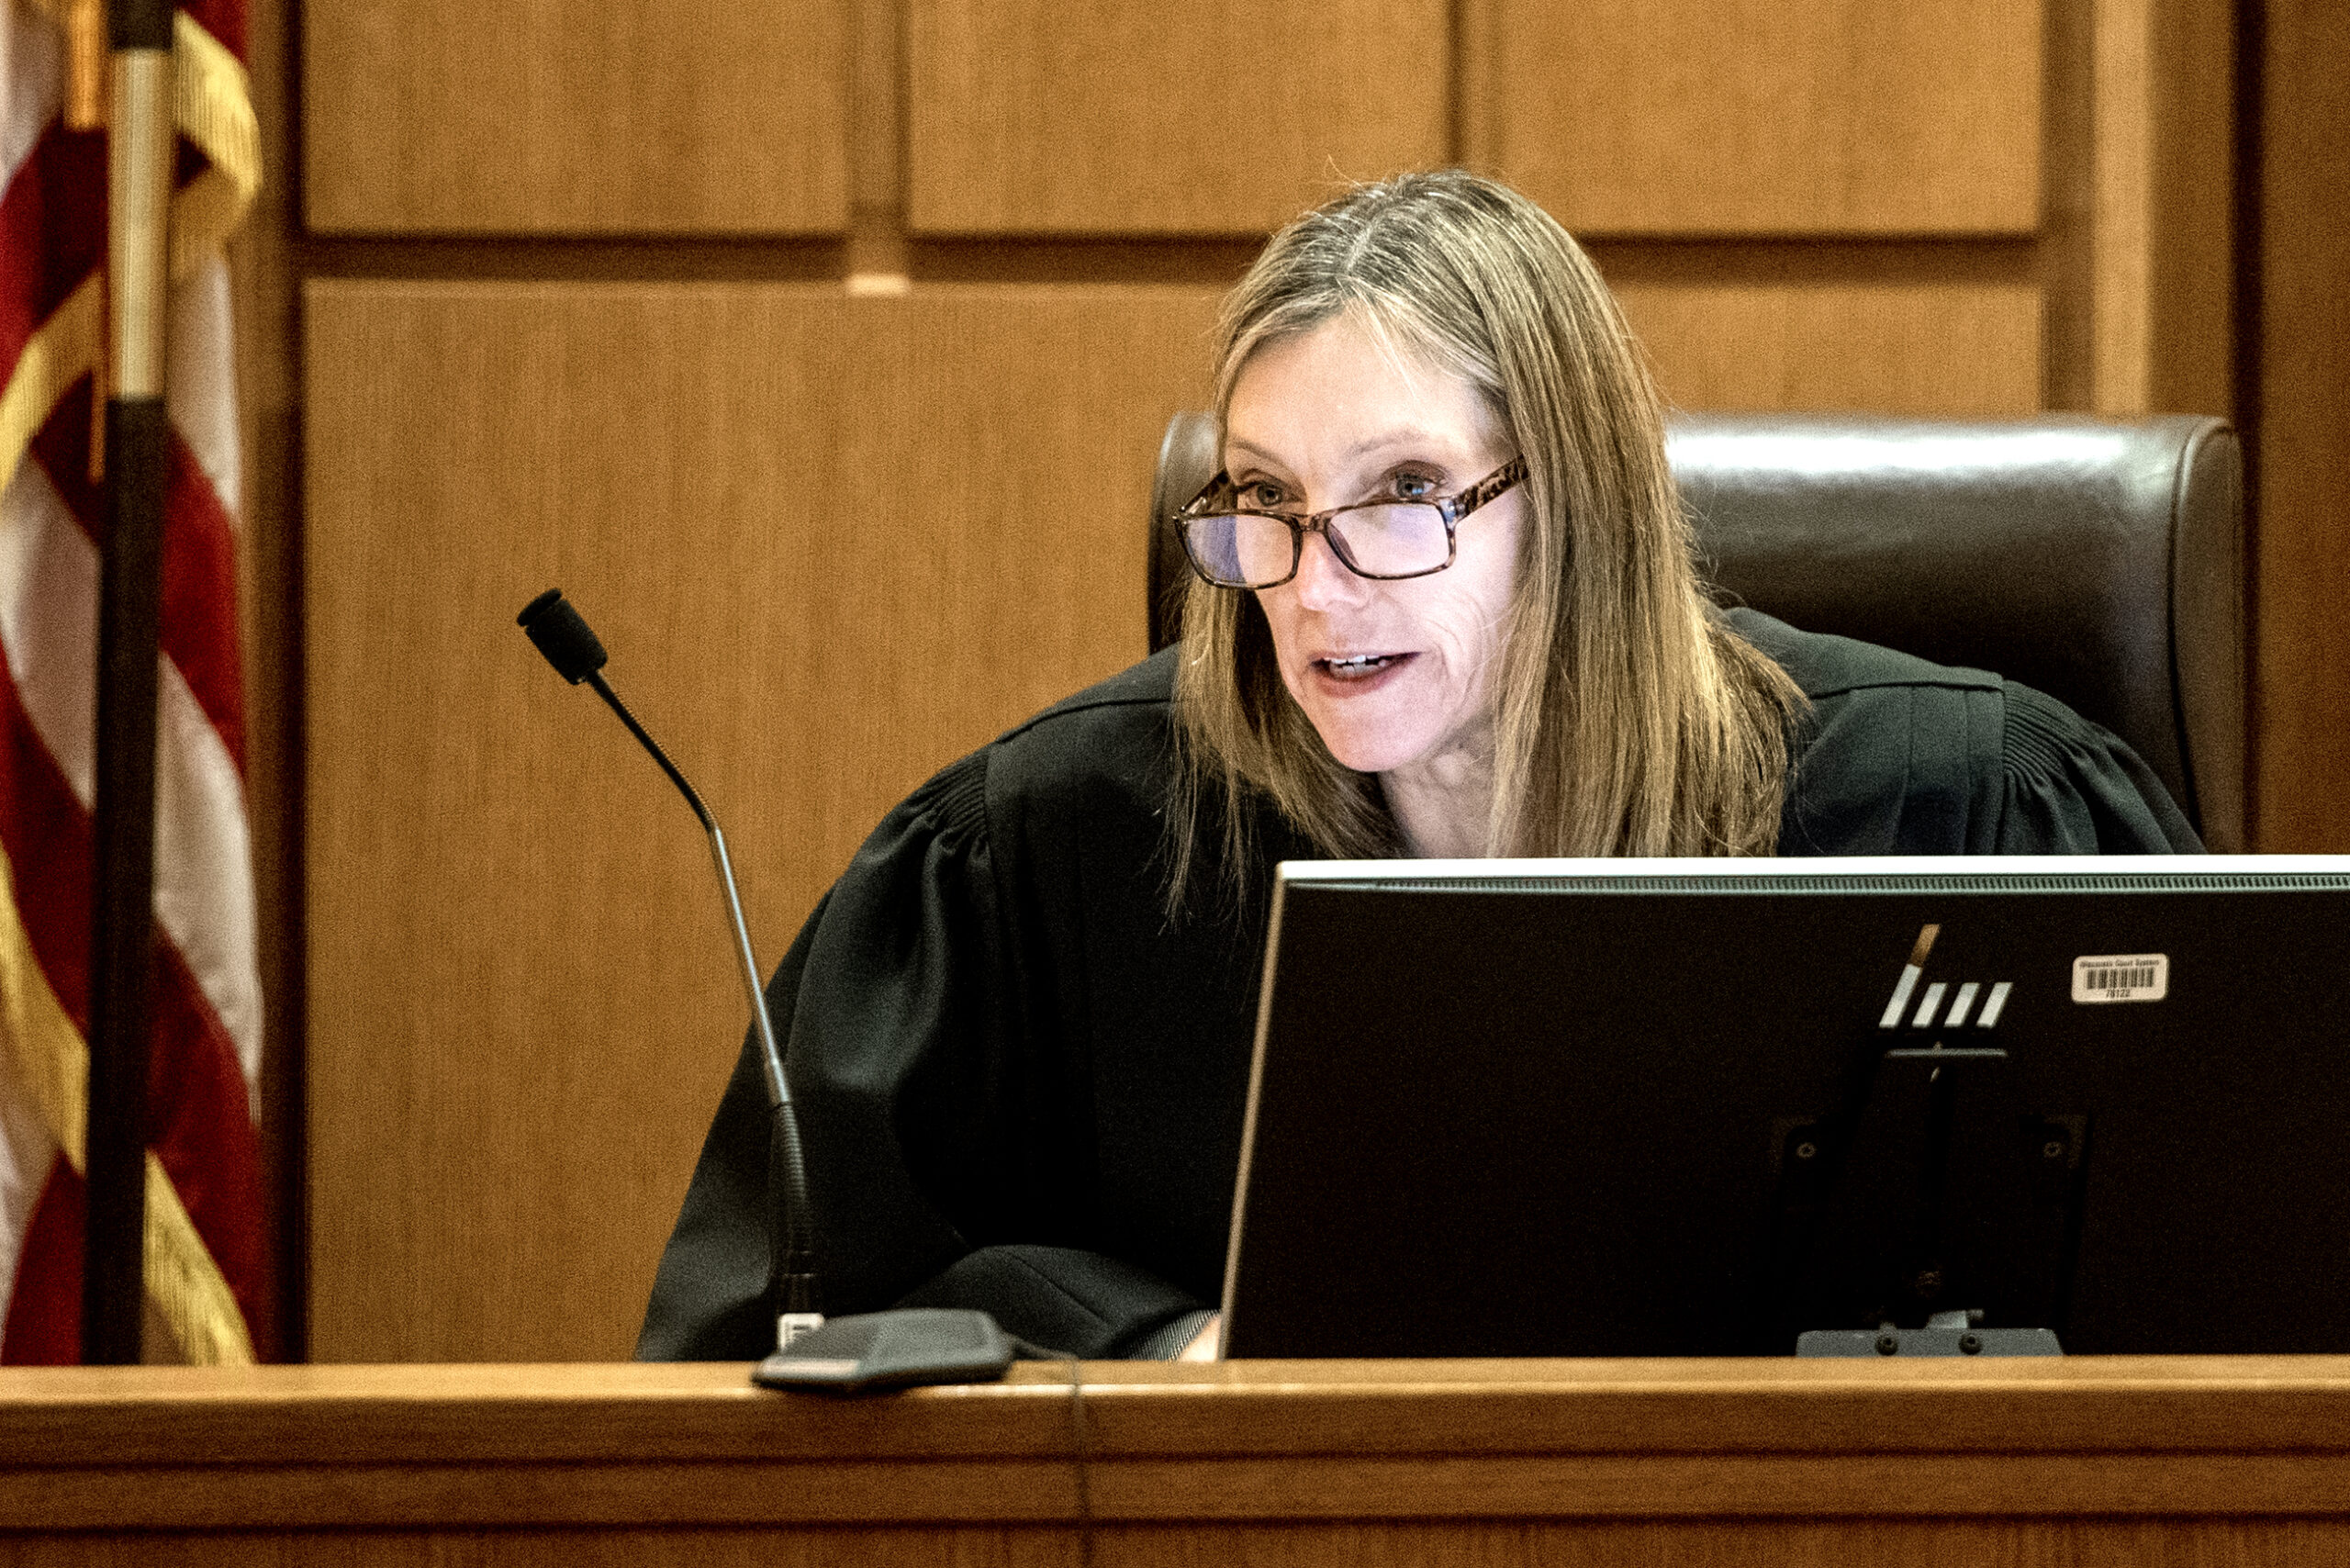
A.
x: 1323, y: 581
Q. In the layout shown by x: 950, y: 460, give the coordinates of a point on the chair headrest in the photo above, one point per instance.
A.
x: 2100, y: 561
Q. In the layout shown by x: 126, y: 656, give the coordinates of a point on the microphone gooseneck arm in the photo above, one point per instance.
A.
x: 778, y: 1091
x: 563, y: 635
x: 787, y: 1166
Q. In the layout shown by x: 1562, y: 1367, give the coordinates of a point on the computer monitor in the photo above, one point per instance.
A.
x: 1677, y: 1107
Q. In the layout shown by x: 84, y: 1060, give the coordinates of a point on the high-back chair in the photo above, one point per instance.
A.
x: 2100, y: 561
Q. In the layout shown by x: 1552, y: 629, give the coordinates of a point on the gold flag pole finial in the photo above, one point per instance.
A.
x: 85, y: 64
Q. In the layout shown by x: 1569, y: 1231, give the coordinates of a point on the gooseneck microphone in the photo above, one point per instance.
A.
x: 866, y: 1350
x: 563, y: 634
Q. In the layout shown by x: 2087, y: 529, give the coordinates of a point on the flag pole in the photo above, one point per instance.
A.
x: 139, y: 192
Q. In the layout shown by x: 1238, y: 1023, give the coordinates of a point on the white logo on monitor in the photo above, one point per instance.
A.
x: 2122, y: 977
x: 1930, y: 1006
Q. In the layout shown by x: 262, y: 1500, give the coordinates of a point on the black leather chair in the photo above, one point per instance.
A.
x: 2100, y: 561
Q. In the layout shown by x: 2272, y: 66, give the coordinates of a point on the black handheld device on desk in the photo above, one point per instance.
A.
x: 847, y: 1355
x: 1871, y: 1108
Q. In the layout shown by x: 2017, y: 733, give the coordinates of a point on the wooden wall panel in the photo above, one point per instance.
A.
x: 809, y: 529
x: 1765, y: 117
x: 2302, y: 531
x: 1930, y: 349
x: 1129, y: 117
x: 2192, y: 281
x: 575, y: 116
x: 2160, y: 172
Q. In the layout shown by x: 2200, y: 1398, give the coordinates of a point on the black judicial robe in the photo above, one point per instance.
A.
x: 1020, y: 1084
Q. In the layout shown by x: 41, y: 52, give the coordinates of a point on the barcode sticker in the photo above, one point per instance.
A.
x: 2125, y: 977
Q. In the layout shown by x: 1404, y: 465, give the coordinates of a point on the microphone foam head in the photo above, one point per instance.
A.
x: 559, y: 632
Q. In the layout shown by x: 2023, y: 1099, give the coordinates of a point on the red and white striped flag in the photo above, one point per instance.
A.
x: 206, y: 1269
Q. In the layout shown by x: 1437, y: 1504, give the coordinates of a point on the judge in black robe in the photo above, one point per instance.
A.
x: 1022, y: 1083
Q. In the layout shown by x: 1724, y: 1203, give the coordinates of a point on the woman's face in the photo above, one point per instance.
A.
x: 1392, y: 674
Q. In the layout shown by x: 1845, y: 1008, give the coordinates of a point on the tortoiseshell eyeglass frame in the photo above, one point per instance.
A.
x: 1450, y: 508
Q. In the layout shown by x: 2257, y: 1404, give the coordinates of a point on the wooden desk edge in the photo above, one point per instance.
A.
x: 486, y: 1446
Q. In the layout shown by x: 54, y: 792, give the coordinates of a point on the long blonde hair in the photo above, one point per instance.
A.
x: 1629, y: 719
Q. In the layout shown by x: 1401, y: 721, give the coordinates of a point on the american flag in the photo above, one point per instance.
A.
x: 207, y: 1267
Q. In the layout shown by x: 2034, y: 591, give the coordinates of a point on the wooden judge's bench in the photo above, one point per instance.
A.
x: 2201, y: 1460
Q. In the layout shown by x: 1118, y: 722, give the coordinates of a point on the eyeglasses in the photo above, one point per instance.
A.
x: 1233, y: 546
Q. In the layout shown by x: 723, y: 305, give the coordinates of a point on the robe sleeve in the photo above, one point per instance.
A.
x: 925, y: 1077
x: 2070, y: 787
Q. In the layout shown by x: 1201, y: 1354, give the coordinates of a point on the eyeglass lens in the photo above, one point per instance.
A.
x: 1247, y: 550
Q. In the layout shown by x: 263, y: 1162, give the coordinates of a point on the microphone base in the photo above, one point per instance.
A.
x: 872, y: 1351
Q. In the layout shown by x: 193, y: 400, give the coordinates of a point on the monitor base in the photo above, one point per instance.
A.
x: 1945, y: 1334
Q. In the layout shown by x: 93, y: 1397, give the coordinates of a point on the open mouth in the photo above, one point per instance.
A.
x: 1359, y: 666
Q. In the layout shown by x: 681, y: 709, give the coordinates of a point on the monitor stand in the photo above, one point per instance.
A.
x: 1935, y: 1183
